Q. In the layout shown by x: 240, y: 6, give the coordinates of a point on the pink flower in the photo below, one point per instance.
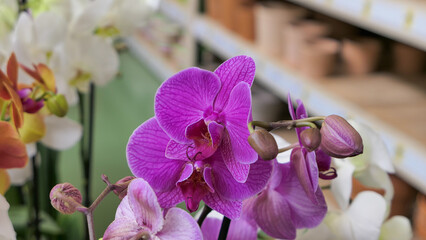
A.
x: 139, y: 216
x: 185, y: 178
x: 210, y: 111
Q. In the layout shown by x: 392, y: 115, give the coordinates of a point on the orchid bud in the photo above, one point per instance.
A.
x: 121, y: 186
x: 339, y: 138
x: 310, y: 138
x: 57, y: 105
x: 264, y: 144
x: 65, y: 198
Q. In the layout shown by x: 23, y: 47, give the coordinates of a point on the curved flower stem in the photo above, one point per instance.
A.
x: 35, y: 198
x: 284, y: 149
x: 224, y: 228
x: 204, y: 213
x: 285, y: 123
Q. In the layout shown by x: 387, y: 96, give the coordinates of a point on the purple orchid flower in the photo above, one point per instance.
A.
x: 308, y: 165
x: 187, y: 178
x: 284, y: 206
x: 29, y: 104
x: 204, y: 110
x: 139, y: 216
x: 243, y: 228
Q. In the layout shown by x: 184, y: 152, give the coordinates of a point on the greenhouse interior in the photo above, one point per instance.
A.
x: 212, y: 119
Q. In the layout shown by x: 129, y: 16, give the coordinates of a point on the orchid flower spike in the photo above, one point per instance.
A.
x: 139, y: 216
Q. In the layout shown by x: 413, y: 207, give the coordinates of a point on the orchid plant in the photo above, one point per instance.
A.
x: 202, y: 145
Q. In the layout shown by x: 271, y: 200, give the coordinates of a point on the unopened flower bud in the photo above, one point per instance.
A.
x: 339, y: 138
x: 264, y: 144
x: 65, y: 198
x: 310, y: 138
x: 57, y: 105
x: 121, y: 186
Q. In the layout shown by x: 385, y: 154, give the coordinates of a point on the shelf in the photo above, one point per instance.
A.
x: 322, y: 98
x: 401, y: 20
x: 147, y: 53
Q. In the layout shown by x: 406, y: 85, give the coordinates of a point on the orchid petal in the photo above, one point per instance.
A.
x: 170, y: 198
x: 180, y: 151
x: 376, y: 177
x: 239, y: 171
x: 231, y: 73
x: 227, y: 187
x: 6, y: 228
x: 124, y: 210
x: 12, y: 71
x: 211, y: 228
x: 61, y: 133
x: 19, y: 176
x: 323, y: 160
x: 291, y: 107
x: 229, y: 208
x: 273, y: 215
x: 236, y: 114
x: 207, y: 175
x: 34, y: 128
x: 183, y: 99
x: 396, y: 228
x: 145, y: 206
x: 51, y: 29
x: 305, y: 166
x: 304, y: 213
x: 365, y: 217
x: 121, y: 229
x: 341, y: 187
x: 12, y: 150
x: 145, y: 156
x: 186, y: 172
x: 206, y: 138
x: 4, y: 181
x: 86, y: 21
x: 179, y: 225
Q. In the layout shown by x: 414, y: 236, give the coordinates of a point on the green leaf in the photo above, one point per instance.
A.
x: 48, y: 225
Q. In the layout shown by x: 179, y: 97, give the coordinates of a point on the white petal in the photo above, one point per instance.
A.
x: 281, y: 142
x: 61, y: 133
x: 6, y: 229
x: 86, y: 21
x: 396, y: 228
x: 376, y: 177
x: 366, y: 215
x: 23, y: 38
x: 19, y: 176
x: 50, y: 29
x: 341, y: 187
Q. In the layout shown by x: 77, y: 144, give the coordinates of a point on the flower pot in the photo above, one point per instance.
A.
x: 271, y: 17
x: 360, y: 56
x: 407, y: 60
x: 318, y: 57
x: 214, y: 9
x: 297, y: 34
x: 245, y: 20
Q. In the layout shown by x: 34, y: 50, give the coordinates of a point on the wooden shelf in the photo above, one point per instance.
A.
x: 401, y: 20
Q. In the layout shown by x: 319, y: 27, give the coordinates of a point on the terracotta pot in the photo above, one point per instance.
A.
x: 296, y: 34
x: 213, y: 8
x: 361, y: 56
x: 271, y: 17
x: 420, y: 218
x: 319, y: 57
x: 245, y: 20
x: 227, y: 12
x: 407, y: 60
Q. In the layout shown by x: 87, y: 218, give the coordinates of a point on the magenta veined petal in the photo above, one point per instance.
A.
x: 146, y: 157
x: 306, y: 169
x: 238, y: 170
x: 226, y: 186
x: 239, y: 229
x: 121, y: 228
x: 236, y: 116
x: 232, y: 72
x: 229, y: 208
x: 183, y: 99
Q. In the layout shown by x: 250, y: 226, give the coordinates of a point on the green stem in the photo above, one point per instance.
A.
x: 35, y: 199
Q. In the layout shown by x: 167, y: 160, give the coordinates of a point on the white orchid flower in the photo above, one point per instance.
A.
x: 6, y: 229
x: 370, y: 168
x: 396, y: 228
x: 8, y: 14
x: 36, y: 38
x: 87, y: 58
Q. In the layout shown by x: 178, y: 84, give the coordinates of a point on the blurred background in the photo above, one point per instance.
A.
x: 362, y: 59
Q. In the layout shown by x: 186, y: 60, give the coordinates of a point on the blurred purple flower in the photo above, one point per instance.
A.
x: 241, y: 229
x: 284, y: 206
x: 205, y: 110
x: 185, y: 178
x: 308, y: 165
x: 139, y: 216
